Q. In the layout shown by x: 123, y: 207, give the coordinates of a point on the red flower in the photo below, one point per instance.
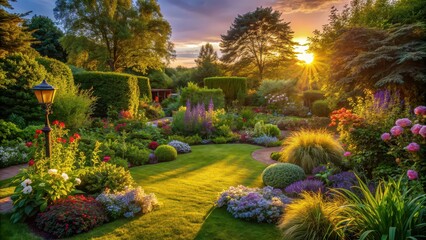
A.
x: 38, y: 132
x: 29, y: 144
x: 72, y: 139
x: 56, y: 122
x: 76, y: 136
x: 62, y: 125
x: 107, y: 158
x: 153, y: 145
x: 31, y: 162
x: 59, y: 140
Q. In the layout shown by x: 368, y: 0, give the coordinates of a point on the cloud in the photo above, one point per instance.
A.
x: 305, y: 6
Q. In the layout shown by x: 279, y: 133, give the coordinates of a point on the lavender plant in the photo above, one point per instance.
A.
x: 308, y: 185
x: 258, y: 204
x: 265, y: 140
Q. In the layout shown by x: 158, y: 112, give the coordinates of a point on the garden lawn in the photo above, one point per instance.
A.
x: 187, y: 189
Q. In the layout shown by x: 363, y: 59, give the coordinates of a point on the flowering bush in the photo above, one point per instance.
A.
x: 71, y: 215
x: 262, y: 205
x: 308, y: 185
x: 180, y: 147
x: 37, y: 189
x: 344, y: 180
x: 345, y: 120
x: 153, y: 145
x: 265, y: 140
x: 128, y: 202
x: 13, y: 155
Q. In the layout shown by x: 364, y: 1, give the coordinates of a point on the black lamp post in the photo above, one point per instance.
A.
x: 45, y: 94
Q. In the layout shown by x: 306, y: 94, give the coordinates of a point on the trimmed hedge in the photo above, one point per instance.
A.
x: 320, y: 108
x: 310, y: 96
x: 202, y: 95
x: 234, y: 88
x: 121, y: 91
x: 144, y: 87
x: 59, y: 74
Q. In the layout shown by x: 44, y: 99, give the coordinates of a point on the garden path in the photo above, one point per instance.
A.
x: 263, y: 155
x: 11, y: 171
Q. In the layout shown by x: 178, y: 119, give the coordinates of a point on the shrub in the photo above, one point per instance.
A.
x: 151, y: 110
x: 195, y: 94
x: 310, y: 96
x: 59, y: 75
x: 128, y: 203
x: 119, y: 91
x: 310, y: 148
x: 280, y: 175
x: 401, y: 213
x: 98, y: 178
x: 234, y: 88
x: 320, y: 108
x: 311, y: 217
x: 272, y: 87
x: 260, y: 128
x: 72, y: 215
x: 308, y: 185
x: 13, y: 155
x: 165, y: 153
x: 180, y: 147
x: 275, y: 156
x: 219, y: 140
x: 8, y: 131
x: 144, y: 87
x: 265, y: 140
x: 195, y: 119
x: 136, y: 156
x: 262, y: 205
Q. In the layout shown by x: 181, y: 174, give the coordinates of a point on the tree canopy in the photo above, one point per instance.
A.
x: 259, y: 40
x: 207, y: 64
x: 47, y: 35
x: 117, y: 34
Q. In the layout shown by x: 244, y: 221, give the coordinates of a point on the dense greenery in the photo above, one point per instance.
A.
x: 234, y: 88
x: 207, y: 65
x: 195, y: 95
x: 120, y: 91
x: 144, y: 87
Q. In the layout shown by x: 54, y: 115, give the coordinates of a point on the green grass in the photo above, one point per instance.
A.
x: 187, y: 189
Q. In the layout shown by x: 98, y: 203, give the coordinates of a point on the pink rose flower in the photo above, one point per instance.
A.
x: 386, y: 136
x: 416, y: 129
x: 423, y: 131
x: 396, y: 130
x: 413, y: 147
x: 420, y: 110
x: 412, y: 175
x: 347, y: 154
x: 107, y: 158
x: 403, y: 122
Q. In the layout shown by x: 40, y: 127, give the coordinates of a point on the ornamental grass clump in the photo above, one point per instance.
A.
x: 392, y: 212
x: 71, y: 215
x: 256, y: 204
x: 312, y: 218
x: 280, y: 175
x: 128, y: 203
x: 311, y: 148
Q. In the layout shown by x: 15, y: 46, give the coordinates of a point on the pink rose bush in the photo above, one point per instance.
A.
x: 397, y: 130
x: 416, y: 128
x: 420, y: 110
x: 403, y: 122
x: 413, y: 147
x: 386, y: 136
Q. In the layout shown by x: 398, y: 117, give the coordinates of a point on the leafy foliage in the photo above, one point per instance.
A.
x: 234, y: 88
x: 165, y: 153
x: 280, y: 175
x: 320, y: 108
x: 207, y: 65
x: 117, y: 35
x: 195, y: 94
x: 258, y: 39
x: 144, y: 87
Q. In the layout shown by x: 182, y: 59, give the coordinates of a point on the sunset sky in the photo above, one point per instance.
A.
x: 195, y: 22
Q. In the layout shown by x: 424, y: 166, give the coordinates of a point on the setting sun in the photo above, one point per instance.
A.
x: 308, y: 58
x: 301, y: 51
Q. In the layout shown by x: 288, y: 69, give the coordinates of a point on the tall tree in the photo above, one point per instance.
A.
x: 258, y: 39
x: 13, y: 37
x: 47, y: 35
x: 207, y: 64
x: 122, y: 33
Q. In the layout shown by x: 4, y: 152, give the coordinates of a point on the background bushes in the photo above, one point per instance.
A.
x: 310, y: 96
x: 196, y: 95
x: 234, y: 88
x: 320, y: 108
x: 144, y: 87
x: 121, y: 91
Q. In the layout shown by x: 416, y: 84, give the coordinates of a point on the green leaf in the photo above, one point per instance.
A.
x: 28, y: 209
x: 43, y: 206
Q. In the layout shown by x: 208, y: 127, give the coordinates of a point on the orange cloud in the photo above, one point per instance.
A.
x: 304, y: 6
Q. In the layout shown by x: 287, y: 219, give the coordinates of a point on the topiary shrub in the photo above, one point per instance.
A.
x: 144, y: 87
x: 234, y: 88
x: 72, y: 215
x: 260, y: 128
x: 311, y: 148
x: 320, y: 108
x: 280, y: 175
x: 165, y: 153
x: 120, y: 91
x: 311, y: 217
x: 275, y: 156
x: 310, y: 96
x: 180, y: 147
x: 105, y: 176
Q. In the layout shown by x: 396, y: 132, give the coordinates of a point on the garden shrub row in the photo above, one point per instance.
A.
x: 234, y: 88
x: 144, y: 87
x: 121, y: 91
x: 195, y: 95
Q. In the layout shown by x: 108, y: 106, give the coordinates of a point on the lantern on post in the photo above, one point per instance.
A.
x: 45, y: 94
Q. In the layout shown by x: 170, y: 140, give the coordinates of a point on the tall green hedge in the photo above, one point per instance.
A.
x: 120, y: 91
x: 310, y: 96
x: 60, y: 75
x: 144, y: 87
x: 234, y: 88
x: 202, y: 95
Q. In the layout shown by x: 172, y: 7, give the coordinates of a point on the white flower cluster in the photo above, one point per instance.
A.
x: 180, y: 147
x: 27, y: 186
x: 11, y: 155
x: 275, y: 98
